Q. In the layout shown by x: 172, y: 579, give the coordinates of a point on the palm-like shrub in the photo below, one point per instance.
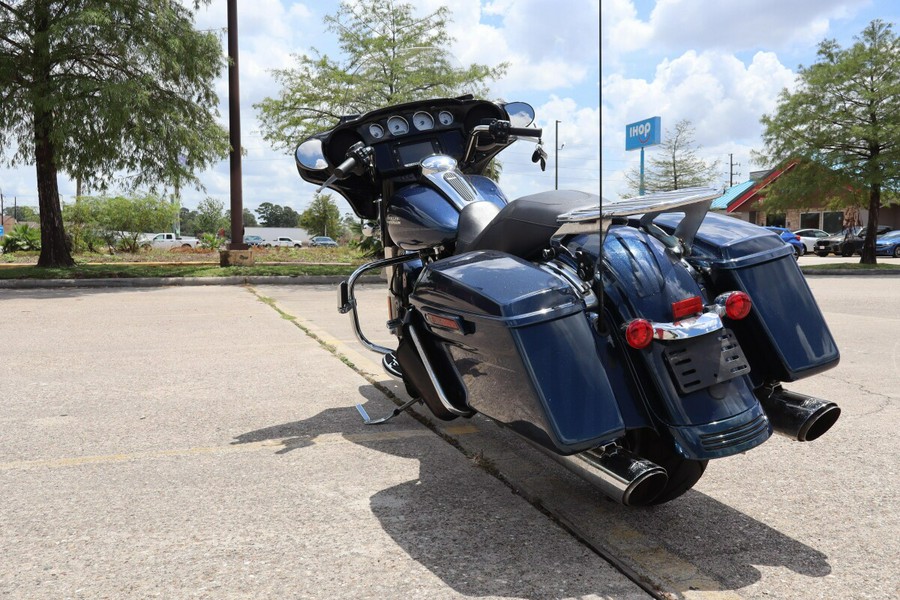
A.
x: 22, y: 238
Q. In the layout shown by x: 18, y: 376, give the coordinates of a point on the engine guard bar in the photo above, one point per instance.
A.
x: 347, y: 300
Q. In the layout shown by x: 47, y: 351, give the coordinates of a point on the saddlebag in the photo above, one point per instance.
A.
x: 785, y: 337
x: 523, y: 347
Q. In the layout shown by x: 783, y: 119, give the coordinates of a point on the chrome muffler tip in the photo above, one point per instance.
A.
x: 620, y: 474
x: 798, y: 416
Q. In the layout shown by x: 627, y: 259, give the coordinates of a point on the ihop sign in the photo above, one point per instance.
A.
x: 642, y: 133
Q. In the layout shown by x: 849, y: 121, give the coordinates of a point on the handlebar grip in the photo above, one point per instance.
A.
x: 526, y: 131
x: 343, y: 170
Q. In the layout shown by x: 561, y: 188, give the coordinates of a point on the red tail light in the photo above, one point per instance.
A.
x: 738, y: 305
x: 686, y: 308
x: 639, y: 333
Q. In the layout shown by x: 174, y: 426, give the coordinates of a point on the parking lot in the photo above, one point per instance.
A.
x: 202, y: 442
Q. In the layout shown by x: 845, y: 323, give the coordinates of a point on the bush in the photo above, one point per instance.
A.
x: 22, y: 238
x: 211, y: 241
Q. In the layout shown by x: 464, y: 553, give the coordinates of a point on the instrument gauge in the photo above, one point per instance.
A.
x: 423, y: 121
x: 397, y: 125
x: 445, y: 117
x: 376, y: 131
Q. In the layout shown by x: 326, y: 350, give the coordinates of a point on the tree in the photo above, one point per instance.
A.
x: 273, y: 215
x: 390, y: 57
x: 322, y: 217
x: 210, y: 216
x: 675, y: 164
x: 187, y: 219
x: 22, y: 213
x: 844, y: 117
x: 125, y: 218
x: 99, y: 87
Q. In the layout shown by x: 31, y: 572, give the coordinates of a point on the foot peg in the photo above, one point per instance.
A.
x: 394, y: 413
x: 392, y: 366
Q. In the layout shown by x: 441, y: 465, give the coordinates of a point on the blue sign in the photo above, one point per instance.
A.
x: 1, y: 230
x: 643, y: 133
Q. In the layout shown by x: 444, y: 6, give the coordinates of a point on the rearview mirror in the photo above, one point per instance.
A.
x: 521, y: 114
x: 310, y: 155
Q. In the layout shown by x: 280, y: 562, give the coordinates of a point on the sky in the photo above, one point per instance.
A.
x: 718, y: 64
x: 552, y: 47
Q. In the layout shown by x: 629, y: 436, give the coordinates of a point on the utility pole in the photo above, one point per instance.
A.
x: 731, y: 167
x: 556, y: 159
x: 234, y: 128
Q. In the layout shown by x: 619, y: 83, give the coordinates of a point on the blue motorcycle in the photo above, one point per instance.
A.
x: 632, y: 341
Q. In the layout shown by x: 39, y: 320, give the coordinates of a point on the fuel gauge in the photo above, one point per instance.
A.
x: 376, y: 131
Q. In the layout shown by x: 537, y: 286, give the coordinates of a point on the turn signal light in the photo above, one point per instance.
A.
x: 738, y: 305
x: 639, y: 333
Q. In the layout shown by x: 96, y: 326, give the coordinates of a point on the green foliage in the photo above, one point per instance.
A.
x: 187, y: 221
x: 99, y: 89
x: 123, y: 219
x: 843, y: 119
x: 389, y: 57
x: 673, y: 164
x: 210, y: 216
x: 22, y: 213
x: 83, y: 224
x: 211, y: 241
x: 22, y: 238
x: 370, y: 247
x: 322, y: 217
x: 273, y: 215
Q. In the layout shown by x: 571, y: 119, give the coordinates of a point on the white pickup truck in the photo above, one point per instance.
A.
x: 282, y: 242
x: 167, y: 241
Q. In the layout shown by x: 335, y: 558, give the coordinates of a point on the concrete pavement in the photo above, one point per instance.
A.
x: 194, y: 442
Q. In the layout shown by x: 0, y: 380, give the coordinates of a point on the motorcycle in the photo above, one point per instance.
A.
x: 632, y: 341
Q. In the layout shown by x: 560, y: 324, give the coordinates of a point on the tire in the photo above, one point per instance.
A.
x: 897, y: 251
x: 846, y: 252
x: 183, y: 246
x: 821, y: 254
x: 297, y: 246
x: 798, y: 252
x: 146, y: 247
x: 683, y: 473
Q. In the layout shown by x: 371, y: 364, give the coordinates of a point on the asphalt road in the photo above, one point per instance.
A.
x: 202, y: 442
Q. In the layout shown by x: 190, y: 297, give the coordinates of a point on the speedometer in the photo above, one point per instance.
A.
x: 397, y: 125
x: 423, y: 121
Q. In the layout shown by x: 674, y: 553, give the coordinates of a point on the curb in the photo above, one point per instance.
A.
x: 850, y: 273
x: 129, y: 282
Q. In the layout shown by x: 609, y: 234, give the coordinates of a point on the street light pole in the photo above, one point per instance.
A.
x: 556, y: 159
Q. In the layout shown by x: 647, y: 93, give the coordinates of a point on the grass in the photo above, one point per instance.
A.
x: 855, y: 266
x: 339, y: 261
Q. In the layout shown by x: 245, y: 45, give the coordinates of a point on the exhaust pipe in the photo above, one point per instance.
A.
x: 618, y: 473
x: 798, y: 416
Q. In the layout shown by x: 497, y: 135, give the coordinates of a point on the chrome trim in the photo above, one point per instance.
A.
x: 570, y: 275
x: 450, y: 181
x: 369, y: 421
x: 686, y: 328
x: 431, y: 375
x: 350, y: 305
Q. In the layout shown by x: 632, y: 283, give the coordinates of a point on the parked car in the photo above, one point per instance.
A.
x: 809, y: 237
x: 790, y: 238
x: 284, y: 242
x: 253, y: 240
x: 888, y: 244
x: 322, y: 240
x: 167, y: 241
x: 847, y: 243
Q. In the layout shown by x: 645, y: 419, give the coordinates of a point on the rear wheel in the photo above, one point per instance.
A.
x: 845, y: 251
x: 683, y: 473
x: 822, y: 254
x: 896, y: 251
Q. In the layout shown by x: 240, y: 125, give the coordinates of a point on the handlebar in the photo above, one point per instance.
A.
x: 344, y: 169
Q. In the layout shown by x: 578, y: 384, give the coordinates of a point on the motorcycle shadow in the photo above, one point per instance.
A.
x: 477, y: 542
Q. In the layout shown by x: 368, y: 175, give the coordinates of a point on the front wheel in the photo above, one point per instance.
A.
x: 896, y: 251
x: 683, y: 473
x: 822, y: 254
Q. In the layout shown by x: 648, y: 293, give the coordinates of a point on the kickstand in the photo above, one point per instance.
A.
x: 393, y: 414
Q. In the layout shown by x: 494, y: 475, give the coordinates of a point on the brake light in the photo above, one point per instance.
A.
x: 686, y: 308
x: 737, y: 305
x: 639, y: 333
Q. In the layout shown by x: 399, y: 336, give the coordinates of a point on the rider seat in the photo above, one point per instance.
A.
x: 521, y: 228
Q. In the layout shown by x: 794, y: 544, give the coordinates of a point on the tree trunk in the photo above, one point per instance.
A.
x: 868, y: 249
x: 54, y: 250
